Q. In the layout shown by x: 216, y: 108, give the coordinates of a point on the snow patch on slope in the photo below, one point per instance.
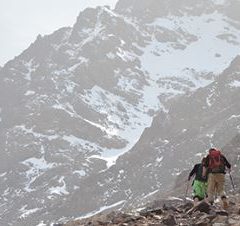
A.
x: 128, y: 129
x: 172, y: 62
x: 26, y: 212
x: 30, y: 131
x: 166, y: 67
x: 235, y: 84
x: 31, y: 68
x: 211, y: 96
x: 59, y: 190
x: 37, y: 166
x: 219, y: 2
x: 102, y: 209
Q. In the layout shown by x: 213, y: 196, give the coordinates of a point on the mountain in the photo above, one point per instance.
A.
x: 175, y: 141
x: 207, y: 118
x: 92, y: 115
x: 176, y: 209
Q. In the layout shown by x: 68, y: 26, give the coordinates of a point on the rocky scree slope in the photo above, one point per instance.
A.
x: 166, y: 212
x: 76, y: 100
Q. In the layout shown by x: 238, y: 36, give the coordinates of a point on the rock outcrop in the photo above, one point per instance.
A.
x: 169, y: 212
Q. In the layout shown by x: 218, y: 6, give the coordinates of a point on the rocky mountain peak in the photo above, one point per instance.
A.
x: 92, y: 116
x: 155, y: 8
x: 92, y: 20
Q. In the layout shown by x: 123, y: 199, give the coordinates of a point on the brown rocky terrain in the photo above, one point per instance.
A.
x: 169, y: 212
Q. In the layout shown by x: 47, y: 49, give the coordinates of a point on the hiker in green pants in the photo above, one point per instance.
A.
x: 199, y: 183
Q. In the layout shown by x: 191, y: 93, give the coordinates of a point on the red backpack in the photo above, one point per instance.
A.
x: 215, y: 161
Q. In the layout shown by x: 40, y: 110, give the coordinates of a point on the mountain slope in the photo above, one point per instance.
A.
x: 176, y: 141
x: 74, y: 105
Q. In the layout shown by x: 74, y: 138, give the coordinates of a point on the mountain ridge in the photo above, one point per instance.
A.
x: 82, y: 106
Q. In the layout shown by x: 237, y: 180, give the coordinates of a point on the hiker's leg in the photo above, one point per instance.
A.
x: 199, y: 192
x: 202, y: 192
x: 196, y: 192
x: 205, y: 187
x: 211, y: 188
x: 194, y: 187
x: 220, y: 177
x: 220, y: 190
x: 224, y: 202
x: 195, y: 200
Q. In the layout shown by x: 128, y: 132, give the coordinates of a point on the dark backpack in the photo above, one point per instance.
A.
x: 216, y: 163
x: 200, y: 174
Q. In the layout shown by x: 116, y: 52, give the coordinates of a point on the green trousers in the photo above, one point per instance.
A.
x: 199, y: 189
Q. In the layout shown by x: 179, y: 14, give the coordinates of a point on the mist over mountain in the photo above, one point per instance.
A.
x: 107, y: 113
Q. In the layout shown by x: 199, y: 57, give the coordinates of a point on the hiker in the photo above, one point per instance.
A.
x: 216, y: 164
x: 199, y: 183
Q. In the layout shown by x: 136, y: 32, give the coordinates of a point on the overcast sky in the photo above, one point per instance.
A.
x: 22, y: 20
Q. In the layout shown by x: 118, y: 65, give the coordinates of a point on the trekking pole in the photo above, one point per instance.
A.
x: 186, y: 191
x: 232, y: 181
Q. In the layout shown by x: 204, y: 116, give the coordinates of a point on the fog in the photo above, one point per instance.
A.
x: 22, y: 21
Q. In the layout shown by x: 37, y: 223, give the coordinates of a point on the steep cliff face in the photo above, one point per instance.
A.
x: 75, y: 106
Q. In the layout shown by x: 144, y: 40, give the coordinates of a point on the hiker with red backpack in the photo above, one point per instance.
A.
x: 215, y: 166
x: 199, y: 183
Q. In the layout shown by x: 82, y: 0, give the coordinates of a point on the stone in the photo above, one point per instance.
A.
x: 220, y: 219
x: 219, y: 224
x: 156, y: 224
x: 169, y: 220
x: 156, y: 211
x: 201, y: 206
x: 187, y: 206
x: 202, y: 224
x: 222, y: 213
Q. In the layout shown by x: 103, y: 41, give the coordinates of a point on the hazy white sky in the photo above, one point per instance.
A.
x: 22, y: 20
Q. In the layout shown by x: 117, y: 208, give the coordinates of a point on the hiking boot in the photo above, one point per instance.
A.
x: 195, y: 201
x: 210, y: 202
x: 224, y: 203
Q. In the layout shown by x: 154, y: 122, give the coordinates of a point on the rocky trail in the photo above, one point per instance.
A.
x: 169, y: 212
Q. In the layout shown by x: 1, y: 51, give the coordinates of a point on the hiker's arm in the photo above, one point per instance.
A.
x: 206, y: 163
x: 192, y: 172
x: 226, y: 163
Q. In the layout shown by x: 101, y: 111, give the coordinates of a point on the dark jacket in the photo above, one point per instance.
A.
x: 197, y: 170
x: 222, y: 169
